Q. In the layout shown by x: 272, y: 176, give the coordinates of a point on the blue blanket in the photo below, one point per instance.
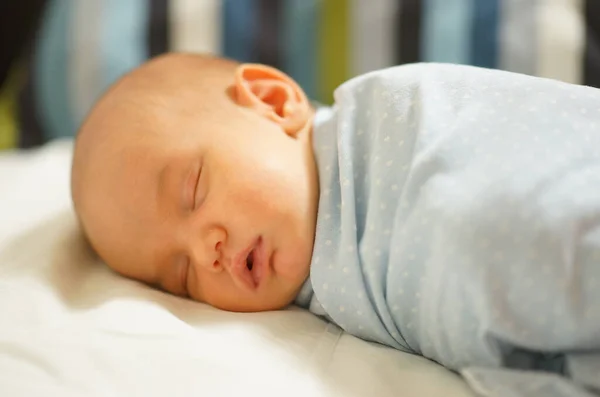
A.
x: 459, y: 219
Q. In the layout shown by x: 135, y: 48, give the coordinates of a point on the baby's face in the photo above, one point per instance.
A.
x: 222, y: 211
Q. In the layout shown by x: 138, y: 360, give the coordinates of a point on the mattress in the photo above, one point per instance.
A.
x: 71, y: 327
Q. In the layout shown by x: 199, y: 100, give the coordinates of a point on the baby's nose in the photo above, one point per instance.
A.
x: 211, y: 255
x: 215, y: 237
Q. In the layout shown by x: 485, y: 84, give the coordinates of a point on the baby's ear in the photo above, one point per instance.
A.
x: 274, y: 95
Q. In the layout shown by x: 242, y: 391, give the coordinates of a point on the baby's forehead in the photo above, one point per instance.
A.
x: 134, y: 121
x: 124, y: 125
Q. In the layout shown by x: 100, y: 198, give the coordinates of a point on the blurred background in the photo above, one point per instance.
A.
x: 58, y: 56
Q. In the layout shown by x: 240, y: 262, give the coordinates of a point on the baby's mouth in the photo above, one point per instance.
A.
x: 247, y: 267
x: 250, y: 260
x: 255, y: 263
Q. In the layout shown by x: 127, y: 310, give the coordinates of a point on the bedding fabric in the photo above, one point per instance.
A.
x: 70, y: 327
x: 459, y: 219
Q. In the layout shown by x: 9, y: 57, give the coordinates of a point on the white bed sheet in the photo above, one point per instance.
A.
x: 70, y: 327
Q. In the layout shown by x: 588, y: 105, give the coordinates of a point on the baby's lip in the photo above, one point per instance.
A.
x: 240, y: 271
x: 260, y: 266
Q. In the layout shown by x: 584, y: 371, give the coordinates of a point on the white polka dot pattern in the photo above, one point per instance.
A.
x: 471, y: 210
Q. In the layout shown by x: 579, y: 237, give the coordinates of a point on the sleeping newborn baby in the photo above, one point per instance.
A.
x: 446, y: 211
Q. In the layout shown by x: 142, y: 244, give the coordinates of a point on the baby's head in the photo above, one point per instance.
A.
x: 196, y: 174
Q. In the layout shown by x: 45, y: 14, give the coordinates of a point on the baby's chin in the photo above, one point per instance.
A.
x: 260, y: 304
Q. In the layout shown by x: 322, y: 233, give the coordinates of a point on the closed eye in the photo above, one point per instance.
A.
x: 201, y: 187
x: 191, y: 183
x: 194, y: 198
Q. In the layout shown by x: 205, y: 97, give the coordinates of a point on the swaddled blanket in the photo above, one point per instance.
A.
x: 459, y: 219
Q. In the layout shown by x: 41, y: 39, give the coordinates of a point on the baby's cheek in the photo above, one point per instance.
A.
x: 206, y: 285
x: 194, y: 288
x: 292, y: 261
x: 263, y: 196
